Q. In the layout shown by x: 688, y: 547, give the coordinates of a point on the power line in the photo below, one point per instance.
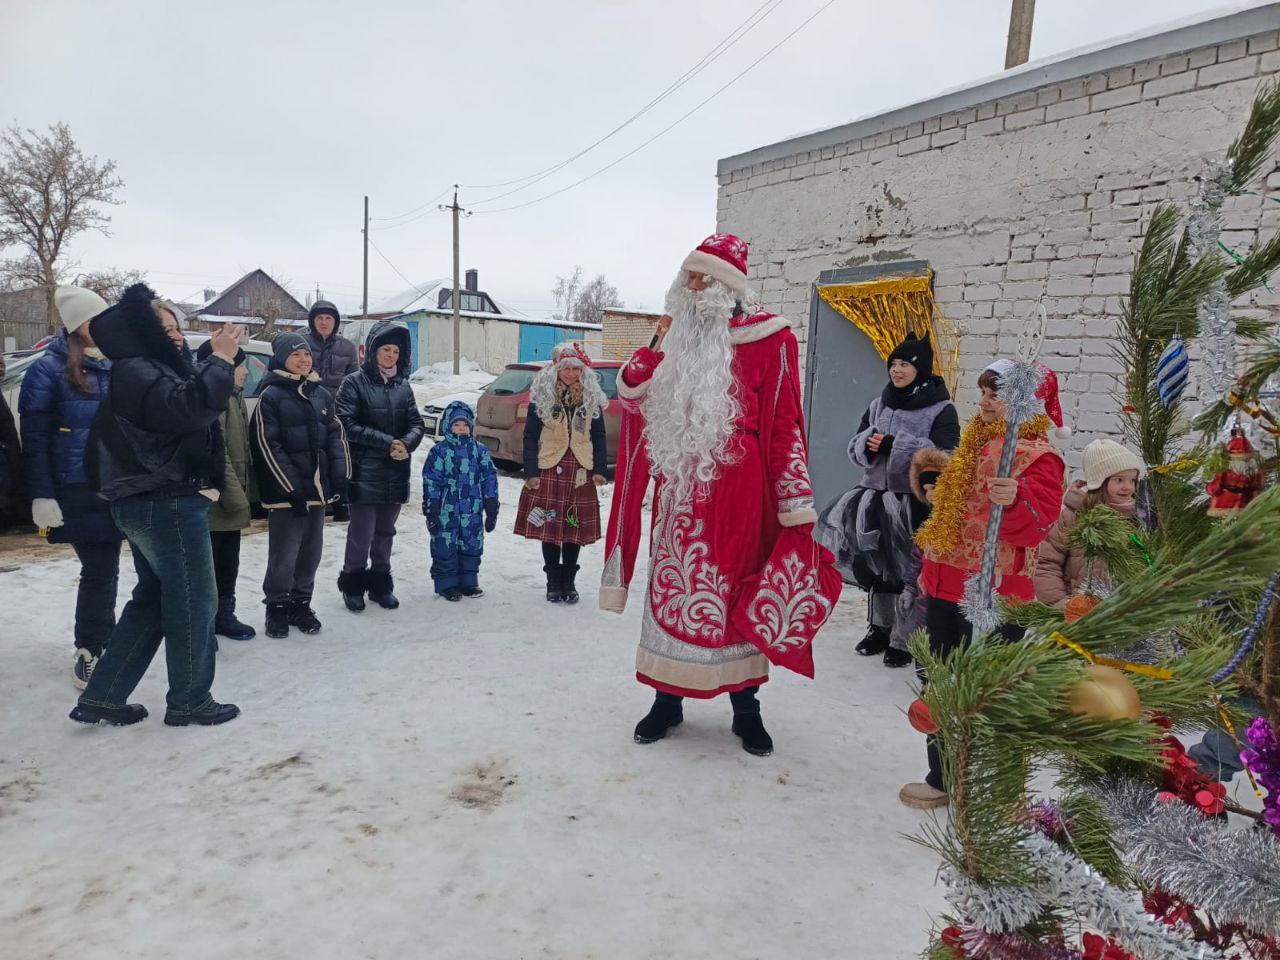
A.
x: 387, y: 261
x: 398, y: 216
x: 710, y: 57
x: 591, y: 176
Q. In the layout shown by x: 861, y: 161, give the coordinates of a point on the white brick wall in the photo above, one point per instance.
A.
x: 1040, y: 196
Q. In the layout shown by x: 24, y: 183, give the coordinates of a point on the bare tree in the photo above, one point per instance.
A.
x: 269, y: 308
x: 595, y: 297
x: 566, y: 293
x: 110, y: 284
x: 49, y: 192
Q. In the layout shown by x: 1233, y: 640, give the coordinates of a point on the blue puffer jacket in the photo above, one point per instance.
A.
x: 459, y: 485
x: 55, y: 421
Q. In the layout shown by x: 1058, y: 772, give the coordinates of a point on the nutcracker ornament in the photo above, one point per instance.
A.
x: 1232, y: 489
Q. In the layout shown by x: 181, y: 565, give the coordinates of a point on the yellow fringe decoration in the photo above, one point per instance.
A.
x: 940, y: 534
x: 886, y: 309
x: 1231, y: 729
x: 1145, y: 669
x: 1176, y: 465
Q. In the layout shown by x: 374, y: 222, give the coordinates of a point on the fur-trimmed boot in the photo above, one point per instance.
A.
x: 352, y: 585
x: 381, y: 586
x: 568, y: 589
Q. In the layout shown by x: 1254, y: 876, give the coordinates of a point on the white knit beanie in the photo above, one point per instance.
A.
x: 77, y: 306
x: 1106, y: 458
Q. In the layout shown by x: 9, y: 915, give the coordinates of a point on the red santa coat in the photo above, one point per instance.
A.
x: 736, y: 580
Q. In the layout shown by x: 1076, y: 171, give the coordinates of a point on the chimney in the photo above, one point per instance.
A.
x: 473, y: 281
x: 210, y: 295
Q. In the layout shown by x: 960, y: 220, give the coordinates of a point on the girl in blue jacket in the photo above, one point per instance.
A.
x: 59, y: 398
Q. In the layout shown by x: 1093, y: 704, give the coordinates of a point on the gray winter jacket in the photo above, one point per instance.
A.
x: 905, y: 432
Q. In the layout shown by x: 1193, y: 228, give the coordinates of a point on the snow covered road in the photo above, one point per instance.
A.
x: 451, y: 781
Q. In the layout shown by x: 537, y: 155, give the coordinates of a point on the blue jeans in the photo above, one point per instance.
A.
x: 175, y: 600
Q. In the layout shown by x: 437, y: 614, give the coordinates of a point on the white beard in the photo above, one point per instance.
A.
x: 690, y: 408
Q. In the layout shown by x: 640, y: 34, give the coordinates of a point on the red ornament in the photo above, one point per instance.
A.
x: 951, y: 937
x: 1098, y: 948
x: 919, y: 717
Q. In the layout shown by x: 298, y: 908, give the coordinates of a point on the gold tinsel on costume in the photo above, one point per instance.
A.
x: 885, y: 310
x: 940, y: 534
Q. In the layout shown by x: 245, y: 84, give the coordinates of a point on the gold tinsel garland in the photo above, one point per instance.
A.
x: 886, y: 309
x: 940, y: 534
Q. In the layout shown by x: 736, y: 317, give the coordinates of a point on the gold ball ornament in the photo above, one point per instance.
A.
x: 1105, y: 693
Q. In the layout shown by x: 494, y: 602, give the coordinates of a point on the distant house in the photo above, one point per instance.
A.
x: 491, y: 334
x: 626, y: 331
x: 248, y: 301
x: 23, y: 318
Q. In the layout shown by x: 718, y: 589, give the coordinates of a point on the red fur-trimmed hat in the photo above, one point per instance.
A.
x: 723, y: 257
x: 1047, y: 392
x: 570, y: 350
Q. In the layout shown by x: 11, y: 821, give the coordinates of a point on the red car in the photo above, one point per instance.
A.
x: 504, y: 408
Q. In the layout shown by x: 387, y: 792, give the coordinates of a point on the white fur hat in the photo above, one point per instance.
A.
x: 77, y: 306
x: 1105, y: 458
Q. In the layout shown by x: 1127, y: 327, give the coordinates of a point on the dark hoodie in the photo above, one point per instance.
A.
x: 334, y: 356
x: 157, y: 433
x: 375, y: 412
x: 299, y: 448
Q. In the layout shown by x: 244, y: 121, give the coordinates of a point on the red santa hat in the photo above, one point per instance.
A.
x: 1239, y: 446
x: 723, y: 257
x: 570, y: 352
x: 1046, y: 392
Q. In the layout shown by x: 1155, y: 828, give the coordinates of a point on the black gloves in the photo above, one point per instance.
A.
x: 432, y: 511
x: 491, y: 515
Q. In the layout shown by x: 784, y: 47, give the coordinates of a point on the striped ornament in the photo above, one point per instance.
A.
x: 1172, y: 370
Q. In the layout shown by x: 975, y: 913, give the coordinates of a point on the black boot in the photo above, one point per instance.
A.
x: 568, y: 589
x: 226, y: 624
x: 750, y: 730
x: 116, y: 716
x: 662, y: 716
x: 302, y: 616
x: 380, y: 587
x: 209, y: 715
x: 352, y: 584
x: 893, y: 657
x: 471, y: 593
x: 278, y: 620
x: 874, y: 643
x: 554, y: 592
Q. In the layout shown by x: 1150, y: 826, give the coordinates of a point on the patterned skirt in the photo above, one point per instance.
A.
x: 568, y: 513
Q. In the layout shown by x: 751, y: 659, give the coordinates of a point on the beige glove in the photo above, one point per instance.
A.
x: 46, y: 513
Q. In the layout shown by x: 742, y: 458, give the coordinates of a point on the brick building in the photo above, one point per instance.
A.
x: 1028, y: 188
x: 625, y: 332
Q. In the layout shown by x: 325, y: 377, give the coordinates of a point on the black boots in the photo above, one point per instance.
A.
x: 568, y: 591
x: 303, y: 617
x: 116, y: 716
x: 226, y: 624
x: 380, y: 586
x: 893, y: 657
x: 277, y: 620
x: 209, y: 715
x: 352, y: 584
x: 662, y: 716
x: 554, y: 592
x: 749, y: 728
x: 874, y: 643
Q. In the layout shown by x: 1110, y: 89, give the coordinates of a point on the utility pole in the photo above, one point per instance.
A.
x: 364, y: 305
x: 457, y: 293
x: 1019, y: 49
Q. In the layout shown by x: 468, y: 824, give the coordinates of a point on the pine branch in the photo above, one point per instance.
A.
x: 1261, y: 262
x: 1106, y: 536
x: 1248, y: 153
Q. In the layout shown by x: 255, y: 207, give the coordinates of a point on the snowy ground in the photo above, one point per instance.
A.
x: 454, y: 781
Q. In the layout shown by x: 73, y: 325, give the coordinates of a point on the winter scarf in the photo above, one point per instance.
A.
x: 920, y: 393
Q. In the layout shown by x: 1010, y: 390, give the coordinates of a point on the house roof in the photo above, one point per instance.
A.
x: 217, y: 301
x: 509, y: 318
x: 1217, y: 26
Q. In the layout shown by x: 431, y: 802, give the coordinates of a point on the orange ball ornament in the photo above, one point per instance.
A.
x: 919, y: 717
x: 1080, y: 606
x: 1105, y: 693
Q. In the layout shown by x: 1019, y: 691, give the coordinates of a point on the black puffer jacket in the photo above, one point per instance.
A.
x: 376, y: 412
x: 332, y: 357
x: 299, y: 447
x: 157, y: 433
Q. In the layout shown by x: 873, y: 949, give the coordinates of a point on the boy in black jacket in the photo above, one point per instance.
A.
x: 301, y: 459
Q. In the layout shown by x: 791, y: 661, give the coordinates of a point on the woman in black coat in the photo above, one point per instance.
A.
x: 378, y: 410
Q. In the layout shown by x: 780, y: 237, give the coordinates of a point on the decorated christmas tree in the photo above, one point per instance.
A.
x: 1131, y: 853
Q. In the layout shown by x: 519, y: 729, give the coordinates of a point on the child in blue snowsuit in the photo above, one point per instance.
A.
x: 460, y: 501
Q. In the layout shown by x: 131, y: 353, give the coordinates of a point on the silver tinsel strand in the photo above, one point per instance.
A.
x: 1018, y: 386
x: 1231, y: 874
x: 1217, y: 326
x: 1071, y: 884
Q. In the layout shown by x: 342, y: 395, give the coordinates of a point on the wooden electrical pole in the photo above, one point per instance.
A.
x: 1018, y: 51
x: 457, y: 293
x: 364, y: 306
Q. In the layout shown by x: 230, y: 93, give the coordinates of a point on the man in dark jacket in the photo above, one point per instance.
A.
x: 11, y: 499
x: 157, y: 454
x: 334, y: 357
x: 377, y: 407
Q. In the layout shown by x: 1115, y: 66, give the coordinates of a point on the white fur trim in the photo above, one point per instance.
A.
x: 798, y: 518
x: 613, y: 599
x: 758, y: 331
x: 627, y: 392
x: 722, y: 270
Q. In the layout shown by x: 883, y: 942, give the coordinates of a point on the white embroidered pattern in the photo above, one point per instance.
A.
x: 793, y: 481
x: 788, y: 606
x: 688, y: 593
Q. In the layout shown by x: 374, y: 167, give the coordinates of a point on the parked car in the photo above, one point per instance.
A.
x: 503, y: 411
x: 433, y: 410
x: 257, y: 356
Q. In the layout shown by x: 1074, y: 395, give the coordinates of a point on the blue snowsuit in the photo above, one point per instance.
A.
x: 460, y: 502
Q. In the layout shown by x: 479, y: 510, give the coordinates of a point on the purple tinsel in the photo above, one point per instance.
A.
x: 1045, y: 818
x: 1246, y: 644
x: 1263, y: 757
x: 982, y: 945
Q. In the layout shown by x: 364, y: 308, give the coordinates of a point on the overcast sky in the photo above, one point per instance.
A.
x: 247, y: 131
